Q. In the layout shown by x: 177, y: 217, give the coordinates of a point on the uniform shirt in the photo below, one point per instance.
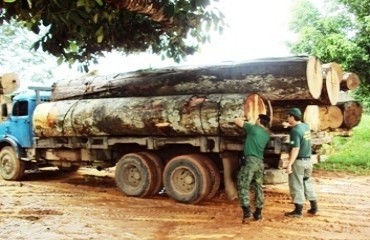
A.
x: 300, y: 136
x: 256, y: 140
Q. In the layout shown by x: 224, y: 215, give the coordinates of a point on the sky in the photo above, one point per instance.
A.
x: 256, y: 29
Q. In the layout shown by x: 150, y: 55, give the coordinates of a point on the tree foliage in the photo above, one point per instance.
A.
x: 33, y: 66
x: 82, y: 30
x: 340, y: 32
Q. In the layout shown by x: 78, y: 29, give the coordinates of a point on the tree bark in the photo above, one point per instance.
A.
x: 274, y: 79
x: 185, y: 115
x: 280, y: 109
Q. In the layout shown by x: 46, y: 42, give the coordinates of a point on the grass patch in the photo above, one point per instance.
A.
x: 351, y: 154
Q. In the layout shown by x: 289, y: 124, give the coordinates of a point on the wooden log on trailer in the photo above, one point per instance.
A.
x: 352, y: 113
x: 331, y: 117
x: 279, y: 113
x: 9, y: 83
x: 350, y: 81
x: 274, y: 78
x: 184, y: 115
x: 333, y: 75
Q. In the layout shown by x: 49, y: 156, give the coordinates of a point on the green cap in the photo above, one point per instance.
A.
x: 295, y: 112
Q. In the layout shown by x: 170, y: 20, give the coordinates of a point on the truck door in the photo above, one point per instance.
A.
x: 20, y: 123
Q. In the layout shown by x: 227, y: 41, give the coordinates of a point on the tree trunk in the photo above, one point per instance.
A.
x: 350, y: 81
x: 185, y: 115
x: 280, y: 110
x: 274, y: 79
x: 9, y: 83
x: 352, y: 112
x: 331, y: 117
x: 333, y: 75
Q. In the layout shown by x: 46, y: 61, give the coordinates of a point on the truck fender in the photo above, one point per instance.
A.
x: 9, y: 141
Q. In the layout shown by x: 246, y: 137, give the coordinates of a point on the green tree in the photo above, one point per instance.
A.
x: 340, y: 32
x: 31, y: 66
x: 82, y: 30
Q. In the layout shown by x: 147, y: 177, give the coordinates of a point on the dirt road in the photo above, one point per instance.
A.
x: 87, y: 205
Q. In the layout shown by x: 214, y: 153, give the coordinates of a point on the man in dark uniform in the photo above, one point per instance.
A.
x: 300, y: 165
x: 257, y: 137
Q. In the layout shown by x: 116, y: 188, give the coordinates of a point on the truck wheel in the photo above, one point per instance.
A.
x: 135, y: 175
x: 186, y: 179
x: 159, y: 167
x: 214, y: 174
x: 11, y: 167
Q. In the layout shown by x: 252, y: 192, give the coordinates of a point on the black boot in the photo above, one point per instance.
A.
x: 314, y: 207
x: 297, y: 212
x: 246, y: 214
x: 257, y: 215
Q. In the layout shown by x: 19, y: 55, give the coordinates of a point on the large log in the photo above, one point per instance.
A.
x: 274, y: 78
x: 350, y: 81
x: 9, y: 83
x: 183, y: 115
x: 333, y: 75
x: 331, y: 117
x: 352, y: 113
x: 279, y: 114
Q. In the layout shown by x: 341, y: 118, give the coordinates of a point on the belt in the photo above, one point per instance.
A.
x: 304, y: 158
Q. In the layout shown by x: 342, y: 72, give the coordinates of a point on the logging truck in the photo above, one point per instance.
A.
x: 171, y: 129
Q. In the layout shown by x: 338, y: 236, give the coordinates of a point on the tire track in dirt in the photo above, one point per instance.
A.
x: 88, y: 206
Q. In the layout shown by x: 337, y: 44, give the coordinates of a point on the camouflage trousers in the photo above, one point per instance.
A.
x: 251, y: 175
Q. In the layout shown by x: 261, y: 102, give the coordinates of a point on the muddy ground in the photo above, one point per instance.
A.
x: 87, y: 205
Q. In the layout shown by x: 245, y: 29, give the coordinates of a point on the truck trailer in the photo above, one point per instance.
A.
x: 186, y: 144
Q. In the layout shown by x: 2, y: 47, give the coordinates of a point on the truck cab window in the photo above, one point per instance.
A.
x: 20, y: 108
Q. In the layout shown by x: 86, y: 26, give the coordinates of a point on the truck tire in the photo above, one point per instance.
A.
x: 135, y: 175
x: 11, y: 167
x: 159, y: 167
x: 186, y: 179
x: 214, y: 174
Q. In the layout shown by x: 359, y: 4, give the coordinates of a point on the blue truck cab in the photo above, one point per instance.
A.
x: 16, y: 134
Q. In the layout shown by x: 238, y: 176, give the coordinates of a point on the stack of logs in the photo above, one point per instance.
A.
x: 270, y: 86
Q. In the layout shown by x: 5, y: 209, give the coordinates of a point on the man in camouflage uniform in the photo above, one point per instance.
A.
x: 300, y: 165
x: 251, y: 172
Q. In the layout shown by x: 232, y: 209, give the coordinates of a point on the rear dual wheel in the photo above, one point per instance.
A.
x: 137, y: 174
x: 190, y: 178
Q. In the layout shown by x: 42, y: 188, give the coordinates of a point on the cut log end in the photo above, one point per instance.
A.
x: 331, y: 117
x: 253, y: 106
x: 314, y: 77
x: 333, y: 75
x: 311, y: 117
x: 352, y: 112
x: 350, y: 81
x: 9, y: 83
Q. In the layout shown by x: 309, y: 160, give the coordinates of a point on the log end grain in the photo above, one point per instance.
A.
x: 253, y: 106
x: 314, y: 76
x: 333, y: 76
x: 9, y: 83
x: 311, y: 117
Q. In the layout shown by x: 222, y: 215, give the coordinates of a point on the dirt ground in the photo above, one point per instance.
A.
x: 87, y: 205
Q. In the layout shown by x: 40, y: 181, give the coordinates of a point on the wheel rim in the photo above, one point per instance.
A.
x: 183, y: 180
x: 131, y: 175
x: 7, y: 164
